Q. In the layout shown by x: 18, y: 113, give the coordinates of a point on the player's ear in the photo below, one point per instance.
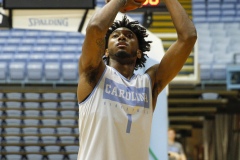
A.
x: 139, y: 53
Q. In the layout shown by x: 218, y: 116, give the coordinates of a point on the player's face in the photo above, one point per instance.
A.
x: 123, y: 43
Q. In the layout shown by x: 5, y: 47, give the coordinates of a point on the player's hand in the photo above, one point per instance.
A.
x: 130, y: 5
x: 174, y: 155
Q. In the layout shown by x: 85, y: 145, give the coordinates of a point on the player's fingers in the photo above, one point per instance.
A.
x: 138, y: 4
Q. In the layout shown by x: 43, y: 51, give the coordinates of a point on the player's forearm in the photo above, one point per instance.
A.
x: 184, y: 26
x: 104, y: 18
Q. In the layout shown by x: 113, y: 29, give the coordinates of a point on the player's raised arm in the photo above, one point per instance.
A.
x: 91, y: 65
x: 178, y: 52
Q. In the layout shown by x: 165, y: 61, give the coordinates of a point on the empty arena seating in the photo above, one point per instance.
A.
x: 218, y: 27
x: 39, y: 56
x: 39, y: 125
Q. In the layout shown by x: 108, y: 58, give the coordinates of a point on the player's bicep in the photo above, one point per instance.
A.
x: 172, y: 62
x: 92, y: 50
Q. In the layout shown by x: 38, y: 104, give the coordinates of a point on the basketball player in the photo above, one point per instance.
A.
x: 115, y: 105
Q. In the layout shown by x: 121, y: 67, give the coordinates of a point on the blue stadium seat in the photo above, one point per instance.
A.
x: 214, y: 13
x: 209, y: 96
x: 218, y: 26
x: 47, y: 131
x: 228, y: 19
x: 14, y: 113
x: 4, y: 34
x: 67, y: 122
x: 49, y: 139
x: 34, y: 156
x: 52, y: 70
x: 31, y: 122
x: 52, y: 57
x: 71, y: 148
x: 40, y: 49
x: 64, y: 130
x: 228, y: 12
x: 55, y: 156
x: 233, y: 32
x: 30, y: 130
x: 70, y: 71
x: 218, y: 33
x: 199, y: 12
x: 223, y: 58
x: 12, y: 131
x: 70, y: 49
x: 67, y: 139
x: 31, y: 149
x: 213, y: 6
x: 11, y: 149
x: 17, y: 33
x: 74, y: 41
x: 14, y: 41
x: 215, y: 18
x: 28, y: 41
x: 13, y: 104
x: 45, y: 34
x: 219, y: 48
x: 25, y: 49
x: 14, y: 95
x: 72, y: 156
x: 2, y: 41
x: 68, y: 57
x: 17, y: 70
x: 57, y: 41
x: 43, y: 41
x: 100, y: 3
x: 54, y: 49
x: 34, y: 70
x: 68, y: 105
x: 50, y: 105
x: 206, y: 71
x: 68, y: 95
x: 13, y: 157
x: 76, y: 130
x: 28, y: 140
x: 31, y: 33
x: 234, y: 48
x: 32, y: 95
x: 3, y: 70
x: 12, y: 139
x: 219, y: 71
x: 52, y: 149
x: 21, y: 57
x: 36, y: 57
x: 32, y: 113
x: 49, y: 113
x: 59, y: 34
x: 214, y: 1
x: 49, y: 96
x: 228, y: 6
x: 49, y: 122
x: 31, y: 105
x: 198, y: 5
x: 68, y: 114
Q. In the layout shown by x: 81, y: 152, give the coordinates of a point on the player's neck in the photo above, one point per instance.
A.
x: 125, y: 70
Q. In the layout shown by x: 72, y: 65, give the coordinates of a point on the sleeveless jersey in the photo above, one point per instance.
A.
x: 115, y: 120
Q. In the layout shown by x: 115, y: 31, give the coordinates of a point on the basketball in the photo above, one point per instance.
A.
x: 131, y: 5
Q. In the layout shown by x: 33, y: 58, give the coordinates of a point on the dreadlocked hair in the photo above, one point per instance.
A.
x: 139, y: 31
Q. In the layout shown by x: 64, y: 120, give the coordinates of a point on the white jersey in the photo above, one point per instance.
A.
x: 115, y: 120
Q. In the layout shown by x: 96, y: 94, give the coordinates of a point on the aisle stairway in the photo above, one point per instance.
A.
x: 162, y: 22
